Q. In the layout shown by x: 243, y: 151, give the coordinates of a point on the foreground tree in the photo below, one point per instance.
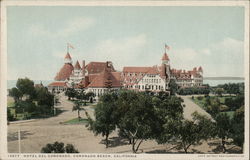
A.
x: 237, y: 130
x: 58, y: 147
x: 223, y: 126
x: 193, y: 132
x: 136, y: 117
x: 105, y: 119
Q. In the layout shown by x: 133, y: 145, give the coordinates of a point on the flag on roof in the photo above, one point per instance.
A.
x: 69, y: 45
x: 167, y: 47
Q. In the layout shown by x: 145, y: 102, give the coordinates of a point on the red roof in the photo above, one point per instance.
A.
x: 165, y: 57
x: 136, y: 69
x: 63, y: 84
x: 77, y: 65
x: 97, y: 67
x: 153, y: 70
x: 67, y: 56
x: 64, y: 72
x: 101, y: 80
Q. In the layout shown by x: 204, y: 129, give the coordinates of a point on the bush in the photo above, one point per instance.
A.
x: 10, y: 117
x: 200, y: 98
x: 58, y: 147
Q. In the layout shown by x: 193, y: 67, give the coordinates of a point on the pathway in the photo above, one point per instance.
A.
x: 191, y: 107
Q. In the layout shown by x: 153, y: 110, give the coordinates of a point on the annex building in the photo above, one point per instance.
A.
x: 99, y: 77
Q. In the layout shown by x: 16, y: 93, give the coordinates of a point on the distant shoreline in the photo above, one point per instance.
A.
x: 223, y: 78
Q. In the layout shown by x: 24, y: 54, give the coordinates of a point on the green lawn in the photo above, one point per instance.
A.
x: 76, y: 121
x: 229, y: 113
x: 222, y: 100
x: 199, y: 102
x: 202, y: 101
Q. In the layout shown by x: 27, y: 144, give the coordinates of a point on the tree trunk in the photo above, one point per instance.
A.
x: 185, y: 149
x: 79, y: 118
x: 133, y: 145
x: 138, y: 145
x: 107, y: 140
x: 129, y: 139
x: 223, y: 145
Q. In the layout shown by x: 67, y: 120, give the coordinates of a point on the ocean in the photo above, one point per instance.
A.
x: 12, y: 83
x: 217, y: 82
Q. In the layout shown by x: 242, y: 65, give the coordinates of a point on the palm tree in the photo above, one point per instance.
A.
x: 77, y: 107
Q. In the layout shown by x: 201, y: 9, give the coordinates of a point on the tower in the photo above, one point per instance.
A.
x: 166, y: 64
x: 67, y: 58
x: 200, y: 70
x: 77, y: 67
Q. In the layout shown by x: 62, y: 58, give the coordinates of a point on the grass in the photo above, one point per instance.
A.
x: 201, y: 103
x: 76, y: 121
x: 229, y: 113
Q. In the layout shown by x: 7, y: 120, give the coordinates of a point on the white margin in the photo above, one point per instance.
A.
x: 3, y: 67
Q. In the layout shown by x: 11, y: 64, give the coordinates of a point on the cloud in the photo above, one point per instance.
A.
x: 224, y: 58
x: 76, y: 25
x: 205, y: 51
x: 120, y: 51
x: 38, y: 30
x: 69, y: 28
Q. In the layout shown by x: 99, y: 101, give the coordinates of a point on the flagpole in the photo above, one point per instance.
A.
x: 165, y: 48
x: 67, y: 48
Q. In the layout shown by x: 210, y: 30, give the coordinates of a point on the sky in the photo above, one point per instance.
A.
x: 211, y: 37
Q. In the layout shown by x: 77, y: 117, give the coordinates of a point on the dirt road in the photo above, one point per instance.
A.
x: 191, y: 107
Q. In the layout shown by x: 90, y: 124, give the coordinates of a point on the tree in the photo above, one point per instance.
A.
x: 58, y: 147
x: 71, y: 93
x: 237, y: 131
x: 70, y: 149
x: 10, y: 117
x: 105, y: 119
x: 82, y: 96
x: 15, y: 93
x: 90, y: 96
x: 44, y: 97
x: 192, y: 132
x: 77, y: 107
x: 214, y: 107
x: 168, y: 114
x: 223, y: 126
x: 26, y: 87
x: 219, y: 91
x: 173, y: 87
x: 136, y: 117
